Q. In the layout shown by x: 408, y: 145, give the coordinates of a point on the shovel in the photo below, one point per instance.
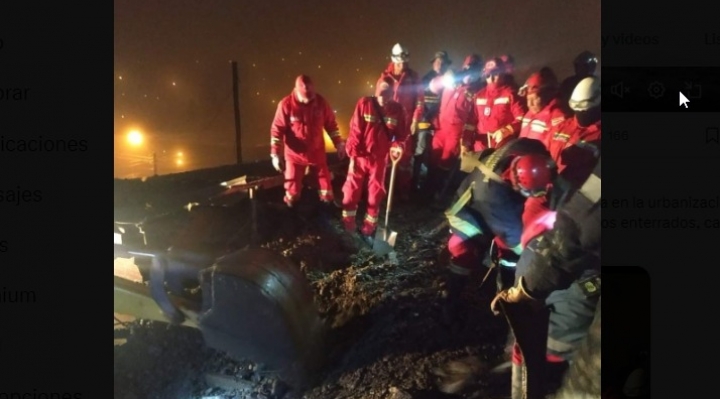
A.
x: 385, y: 238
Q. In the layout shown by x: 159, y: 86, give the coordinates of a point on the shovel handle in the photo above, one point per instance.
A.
x: 394, y: 160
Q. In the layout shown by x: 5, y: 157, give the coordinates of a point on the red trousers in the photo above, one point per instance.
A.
x: 364, y: 169
x: 445, y: 147
x: 294, y: 175
x: 467, y: 254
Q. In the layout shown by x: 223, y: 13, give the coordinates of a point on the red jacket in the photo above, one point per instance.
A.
x: 576, y: 150
x: 457, y: 107
x: 368, y: 137
x: 497, y: 107
x: 408, y: 90
x: 542, y: 125
x: 298, y: 130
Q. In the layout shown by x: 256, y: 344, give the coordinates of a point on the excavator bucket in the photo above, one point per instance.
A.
x: 257, y: 305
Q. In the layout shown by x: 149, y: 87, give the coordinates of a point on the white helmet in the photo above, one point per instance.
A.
x: 399, y: 53
x: 586, y: 94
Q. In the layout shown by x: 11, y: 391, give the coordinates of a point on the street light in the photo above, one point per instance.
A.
x: 135, y: 138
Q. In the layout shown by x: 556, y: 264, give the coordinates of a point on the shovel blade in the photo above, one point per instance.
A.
x: 384, y: 241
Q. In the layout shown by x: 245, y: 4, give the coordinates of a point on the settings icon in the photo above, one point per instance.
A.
x: 656, y: 89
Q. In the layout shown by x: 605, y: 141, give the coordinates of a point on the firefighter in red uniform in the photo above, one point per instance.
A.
x: 456, y: 119
x: 377, y: 127
x: 575, y: 145
x: 408, y: 90
x: 544, y: 110
x: 490, y: 208
x: 296, y: 139
x: 499, y: 109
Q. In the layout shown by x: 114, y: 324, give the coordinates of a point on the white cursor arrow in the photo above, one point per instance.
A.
x: 683, y: 100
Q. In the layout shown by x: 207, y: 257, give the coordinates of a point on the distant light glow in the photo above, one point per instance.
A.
x: 179, y: 162
x: 135, y: 137
x: 180, y: 154
x: 120, y: 77
x: 319, y: 66
x: 448, y: 81
x: 339, y: 81
x: 173, y: 83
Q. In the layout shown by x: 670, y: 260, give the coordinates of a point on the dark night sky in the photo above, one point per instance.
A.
x: 342, y: 45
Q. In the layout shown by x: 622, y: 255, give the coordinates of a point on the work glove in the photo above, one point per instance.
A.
x: 468, y: 161
x: 278, y: 163
x: 499, y: 135
x: 514, y: 294
x: 341, y: 153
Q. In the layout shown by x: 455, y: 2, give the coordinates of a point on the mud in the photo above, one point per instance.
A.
x: 386, y: 339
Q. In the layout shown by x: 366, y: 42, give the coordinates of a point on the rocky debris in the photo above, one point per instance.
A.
x: 456, y: 375
x: 396, y: 393
x: 385, y: 341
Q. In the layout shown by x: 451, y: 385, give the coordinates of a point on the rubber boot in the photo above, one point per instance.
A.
x: 455, y: 286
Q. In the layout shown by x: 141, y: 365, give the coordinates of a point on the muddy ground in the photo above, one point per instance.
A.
x: 386, y: 336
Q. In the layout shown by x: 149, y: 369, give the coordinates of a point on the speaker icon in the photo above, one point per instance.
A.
x: 619, y: 89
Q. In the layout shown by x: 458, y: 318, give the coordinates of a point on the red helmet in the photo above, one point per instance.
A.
x: 493, y: 66
x: 532, y: 174
x: 539, y: 81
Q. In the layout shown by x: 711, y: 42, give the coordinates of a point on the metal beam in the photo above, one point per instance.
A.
x: 134, y: 299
